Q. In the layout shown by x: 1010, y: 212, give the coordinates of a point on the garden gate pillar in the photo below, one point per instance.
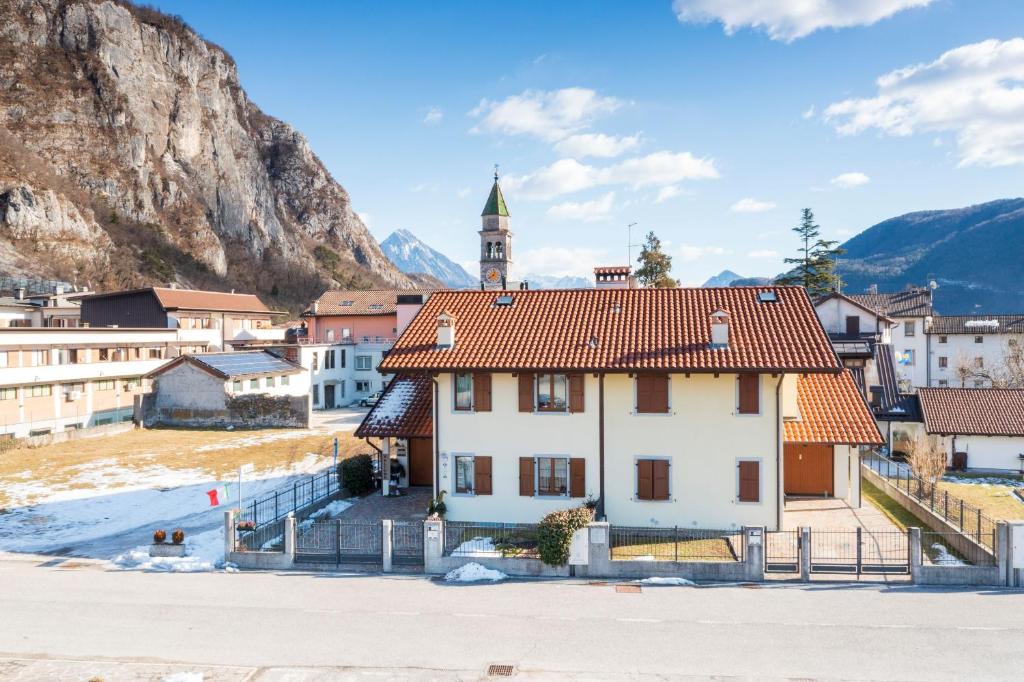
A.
x: 916, y: 559
x: 386, y: 544
x: 289, y: 535
x: 433, y: 545
x: 805, y: 554
x: 229, y: 531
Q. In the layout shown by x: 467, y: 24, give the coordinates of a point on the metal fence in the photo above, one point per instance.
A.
x: 463, y: 538
x: 676, y: 544
x: 407, y: 542
x: 782, y: 551
x: 335, y: 541
x: 970, y: 520
x: 859, y: 551
x: 948, y: 549
x: 267, y: 512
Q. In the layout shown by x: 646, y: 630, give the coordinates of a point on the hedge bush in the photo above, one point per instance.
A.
x: 554, y: 535
x: 355, y: 474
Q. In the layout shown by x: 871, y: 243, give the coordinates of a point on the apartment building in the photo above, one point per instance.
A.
x: 214, y: 319
x: 911, y: 311
x: 969, y: 351
x: 55, y: 379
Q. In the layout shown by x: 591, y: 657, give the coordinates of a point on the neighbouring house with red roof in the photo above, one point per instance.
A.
x: 667, y: 407
x: 980, y: 428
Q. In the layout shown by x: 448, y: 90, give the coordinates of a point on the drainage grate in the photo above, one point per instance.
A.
x: 628, y: 589
x: 499, y: 670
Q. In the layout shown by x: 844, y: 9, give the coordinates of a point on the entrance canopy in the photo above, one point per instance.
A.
x: 404, y: 411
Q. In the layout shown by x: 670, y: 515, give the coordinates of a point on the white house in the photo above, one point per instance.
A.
x: 242, y: 388
x: 967, y: 350
x: 667, y: 407
x: 912, y: 312
x: 984, y: 424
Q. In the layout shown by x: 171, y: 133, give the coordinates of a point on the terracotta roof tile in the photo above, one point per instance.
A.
x: 832, y: 410
x: 973, y: 411
x: 367, y: 302
x: 404, y: 411
x: 617, y: 330
x: 189, y: 299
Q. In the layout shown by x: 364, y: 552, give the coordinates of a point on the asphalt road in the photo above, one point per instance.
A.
x: 73, y: 620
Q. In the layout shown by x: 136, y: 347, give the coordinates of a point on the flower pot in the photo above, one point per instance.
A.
x: 178, y: 536
x: 159, y: 536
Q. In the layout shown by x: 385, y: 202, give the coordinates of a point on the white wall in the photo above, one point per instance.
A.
x: 992, y: 350
x: 834, y: 311
x: 298, y: 384
x: 187, y: 386
x: 702, y: 435
x: 918, y: 372
x: 988, y: 452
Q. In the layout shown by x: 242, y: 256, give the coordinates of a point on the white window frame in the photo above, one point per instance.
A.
x: 536, y: 476
x: 455, y: 474
x: 909, y: 328
x: 368, y: 362
x: 636, y: 479
x: 637, y: 413
x: 736, y: 399
x: 369, y: 386
x: 760, y: 480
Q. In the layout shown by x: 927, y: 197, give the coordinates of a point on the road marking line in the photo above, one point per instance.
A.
x: 475, y: 615
x: 638, y: 620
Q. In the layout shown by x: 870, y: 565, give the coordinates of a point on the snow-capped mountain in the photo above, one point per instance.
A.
x: 555, y: 282
x: 411, y: 255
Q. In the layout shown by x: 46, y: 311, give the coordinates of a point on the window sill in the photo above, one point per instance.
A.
x: 748, y: 504
x: 671, y: 500
x: 670, y: 413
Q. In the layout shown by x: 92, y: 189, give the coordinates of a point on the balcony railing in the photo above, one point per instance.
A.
x: 345, y: 340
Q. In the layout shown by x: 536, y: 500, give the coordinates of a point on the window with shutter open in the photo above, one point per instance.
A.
x: 482, y: 392
x: 482, y: 475
x: 748, y: 396
x: 526, y: 394
x: 652, y: 393
x: 749, y: 481
x: 576, y: 383
x: 526, y: 476
x: 577, y: 477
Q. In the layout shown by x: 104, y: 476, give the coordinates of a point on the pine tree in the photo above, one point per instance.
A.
x: 816, y: 262
x: 655, y: 265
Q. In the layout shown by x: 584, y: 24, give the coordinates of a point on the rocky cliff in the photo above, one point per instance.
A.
x: 130, y: 154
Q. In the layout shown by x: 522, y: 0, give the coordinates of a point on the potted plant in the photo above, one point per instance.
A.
x: 437, y: 507
x: 159, y: 536
x: 245, y: 526
x: 178, y: 536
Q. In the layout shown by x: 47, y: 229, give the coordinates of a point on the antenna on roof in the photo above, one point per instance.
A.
x: 629, y: 243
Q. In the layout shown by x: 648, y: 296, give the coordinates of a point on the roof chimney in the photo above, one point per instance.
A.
x: 719, y: 329
x: 19, y: 293
x: 445, y: 330
x: 873, y: 289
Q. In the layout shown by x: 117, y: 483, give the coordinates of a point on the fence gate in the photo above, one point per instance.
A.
x: 859, y: 551
x: 338, y: 542
x: 407, y: 543
x: 782, y: 551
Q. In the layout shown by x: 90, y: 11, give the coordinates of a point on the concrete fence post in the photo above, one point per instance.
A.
x: 229, y: 531
x: 916, y: 558
x: 386, y: 544
x: 290, y: 530
x: 433, y: 545
x: 753, y: 539
x: 805, y: 554
x: 599, y: 562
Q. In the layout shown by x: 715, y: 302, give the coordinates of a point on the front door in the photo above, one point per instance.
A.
x: 329, y: 396
x: 808, y: 469
x: 421, y: 461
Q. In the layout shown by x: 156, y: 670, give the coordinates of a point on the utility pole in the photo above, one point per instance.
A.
x: 630, y: 244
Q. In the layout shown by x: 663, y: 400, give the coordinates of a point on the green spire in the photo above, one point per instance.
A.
x: 495, y: 202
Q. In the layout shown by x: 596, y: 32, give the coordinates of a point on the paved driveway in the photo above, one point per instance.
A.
x: 339, y: 419
x: 835, y: 515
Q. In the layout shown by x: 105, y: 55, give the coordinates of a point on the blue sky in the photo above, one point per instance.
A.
x: 710, y: 122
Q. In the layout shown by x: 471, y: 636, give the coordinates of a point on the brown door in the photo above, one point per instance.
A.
x: 808, y: 469
x: 421, y: 461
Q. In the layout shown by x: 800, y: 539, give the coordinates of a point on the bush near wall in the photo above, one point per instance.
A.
x: 355, y: 474
x: 554, y: 534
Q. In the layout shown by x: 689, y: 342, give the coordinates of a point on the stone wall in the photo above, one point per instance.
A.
x: 244, y: 411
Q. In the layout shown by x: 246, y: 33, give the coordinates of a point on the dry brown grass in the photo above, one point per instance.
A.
x: 996, y: 501
x: 58, y: 464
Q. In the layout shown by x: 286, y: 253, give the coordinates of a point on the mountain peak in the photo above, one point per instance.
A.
x: 411, y: 256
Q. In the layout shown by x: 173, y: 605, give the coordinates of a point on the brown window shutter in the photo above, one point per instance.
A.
x: 526, y: 394
x: 659, y: 468
x: 482, y: 392
x: 659, y: 393
x: 575, y: 392
x: 482, y: 475
x: 749, y: 400
x: 750, y: 481
x: 526, y: 476
x: 577, y: 477
x: 643, y: 393
x: 644, y: 479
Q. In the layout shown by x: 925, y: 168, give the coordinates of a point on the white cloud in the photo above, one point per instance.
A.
x: 790, y: 19
x: 850, y: 180
x: 808, y: 113
x: 560, y: 262
x: 366, y: 218
x: 569, y: 175
x: 751, y: 205
x: 764, y: 253
x: 668, y: 192
x: 550, y: 115
x: 689, y: 253
x: 587, y: 211
x: 463, y: 192
x: 424, y: 187
x: 596, y: 144
x: 433, y: 115
x: 973, y: 91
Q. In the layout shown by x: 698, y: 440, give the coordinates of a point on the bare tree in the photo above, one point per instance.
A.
x: 1008, y: 372
x: 927, y: 459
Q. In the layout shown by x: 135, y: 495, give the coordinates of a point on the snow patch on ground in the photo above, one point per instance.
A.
x: 944, y: 558
x: 184, y: 677
x: 474, y: 572
x: 479, y: 546
x: 257, y: 439
x: 204, y: 552
x: 329, y: 512
x: 659, y: 580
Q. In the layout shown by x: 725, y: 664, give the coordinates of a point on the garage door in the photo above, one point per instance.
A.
x: 808, y: 469
x: 421, y: 461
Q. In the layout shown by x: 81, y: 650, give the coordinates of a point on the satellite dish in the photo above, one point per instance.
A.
x: 933, y: 285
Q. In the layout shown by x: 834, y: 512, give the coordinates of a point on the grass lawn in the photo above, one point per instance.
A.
x: 83, y: 463
x: 710, y: 549
x: 997, y: 501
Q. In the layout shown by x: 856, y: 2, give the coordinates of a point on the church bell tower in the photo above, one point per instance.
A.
x: 495, y: 241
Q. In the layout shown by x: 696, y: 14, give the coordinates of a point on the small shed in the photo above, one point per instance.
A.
x: 241, y: 389
x: 987, y: 424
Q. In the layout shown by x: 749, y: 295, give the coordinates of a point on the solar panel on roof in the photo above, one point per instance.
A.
x: 234, y: 364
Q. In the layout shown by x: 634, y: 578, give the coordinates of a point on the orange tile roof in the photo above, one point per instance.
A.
x: 404, y: 411
x: 367, y: 302
x: 617, y: 330
x: 189, y: 299
x: 832, y: 410
x: 973, y: 411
